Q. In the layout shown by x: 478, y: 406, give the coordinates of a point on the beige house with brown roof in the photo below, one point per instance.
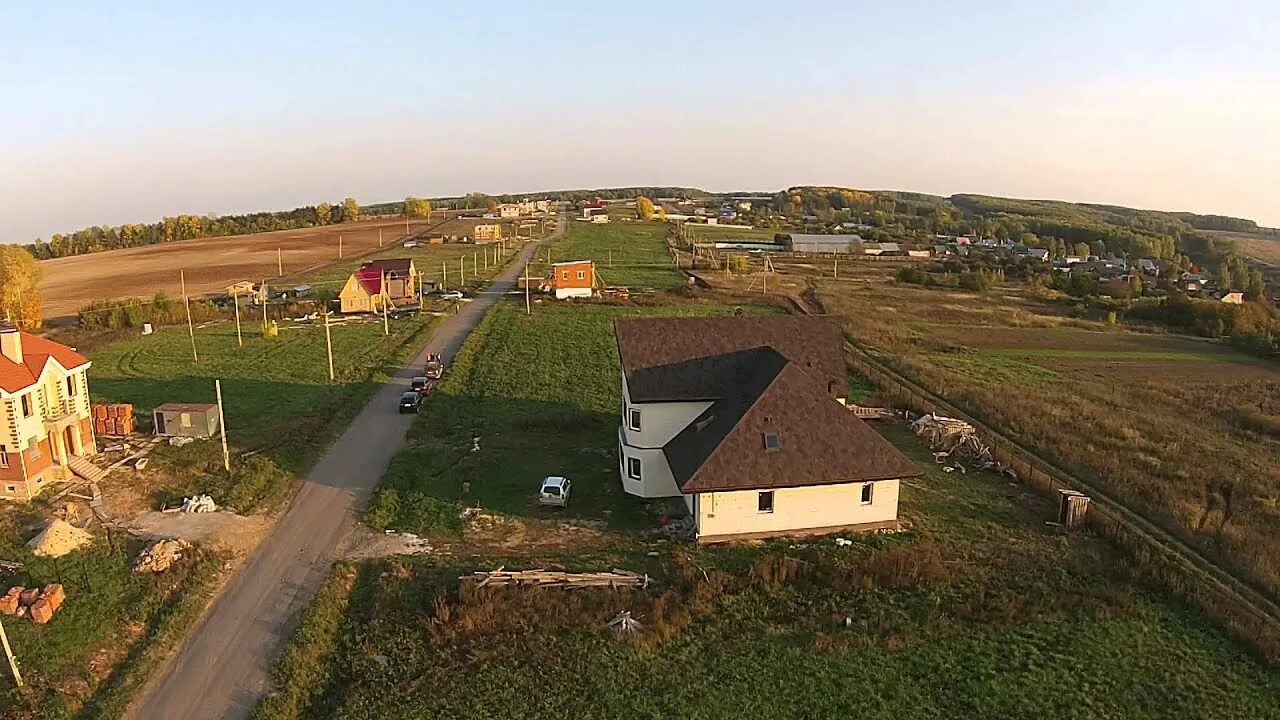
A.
x: 744, y: 417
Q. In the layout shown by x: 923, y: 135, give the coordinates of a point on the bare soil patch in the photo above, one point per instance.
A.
x: 224, y: 530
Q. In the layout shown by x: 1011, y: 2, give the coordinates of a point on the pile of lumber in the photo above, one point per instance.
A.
x: 954, y: 441
x: 113, y: 419
x: 558, y: 579
x: 39, y: 604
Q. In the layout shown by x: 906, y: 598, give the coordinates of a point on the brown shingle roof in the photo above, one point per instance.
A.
x: 820, y: 442
x: 765, y: 374
x: 399, y: 266
x: 813, y: 342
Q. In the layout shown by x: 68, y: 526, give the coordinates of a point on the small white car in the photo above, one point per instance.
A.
x: 555, y: 491
x: 451, y: 295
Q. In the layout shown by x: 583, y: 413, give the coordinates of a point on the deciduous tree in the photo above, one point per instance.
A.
x: 417, y: 207
x: 350, y: 210
x: 644, y: 208
x: 324, y: 213
x: 19, y: 287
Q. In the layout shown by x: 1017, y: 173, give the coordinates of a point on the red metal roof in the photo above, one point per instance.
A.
x: 370, y: 278
x: 36, y: 351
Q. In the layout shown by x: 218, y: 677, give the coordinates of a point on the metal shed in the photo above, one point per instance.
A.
x: 199, y: 420
x: 823, y: 244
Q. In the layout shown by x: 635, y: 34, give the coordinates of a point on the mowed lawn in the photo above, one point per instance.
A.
x: 542, y: 393
x: 630, y: 254
x: 980, y: 611
x: 276, y: 392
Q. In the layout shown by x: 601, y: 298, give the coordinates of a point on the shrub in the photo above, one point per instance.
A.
x: 256, y: 483
x: 912, y: 274
x: 384, y: 510
x: 975, y: 281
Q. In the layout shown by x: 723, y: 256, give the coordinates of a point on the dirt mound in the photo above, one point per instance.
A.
x: 59, y: 538
x: 160, y: 555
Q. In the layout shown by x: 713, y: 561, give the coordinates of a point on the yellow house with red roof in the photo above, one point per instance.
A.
x: 45, y: 424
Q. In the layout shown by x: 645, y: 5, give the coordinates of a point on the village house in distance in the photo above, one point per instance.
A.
x: 45, y: 423
x: 745, y: 418
x: 394, y: 281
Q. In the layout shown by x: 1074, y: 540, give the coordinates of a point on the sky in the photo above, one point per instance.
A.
x: 128, y: 111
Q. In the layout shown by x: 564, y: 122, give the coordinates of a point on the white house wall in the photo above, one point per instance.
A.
x: 794, y: 509
x: 659, y: 422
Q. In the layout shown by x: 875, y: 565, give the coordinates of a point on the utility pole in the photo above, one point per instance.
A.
x: 328, y: 342
x: 419, y: 292
x: 339, y: 247
x: 279, y: 263
x: 222, y: 425
x: 235, y: 297
x: 610, y: 258
x: 186, y: 302
x: 486, y: 258
x: 8, y: 653
x: 527, y: 311
x: 835, y: 272
x: 406, y: 227
x: 462, y: 270
x: 475, y: 263
x: 262, y: 296
x: 444, y: 277
x: 379, y: 237
x: 386, y: 300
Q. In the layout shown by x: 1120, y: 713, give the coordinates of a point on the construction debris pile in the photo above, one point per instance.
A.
x: 160, y: 555
x: 113, y: 420
x: 557, y: 579
x: 59, y: 538
x: 624, y: 624
x: 39, y: 604
x: 199, y: 504
x: 955, y: 442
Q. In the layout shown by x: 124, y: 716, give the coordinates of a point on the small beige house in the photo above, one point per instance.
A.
x: 744, y: 417
x: 393, y: 281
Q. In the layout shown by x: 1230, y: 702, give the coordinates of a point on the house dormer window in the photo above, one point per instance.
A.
x: 771, y: 442
x: 633, y: 419
x: 71, y: 386
x: 26, y: 405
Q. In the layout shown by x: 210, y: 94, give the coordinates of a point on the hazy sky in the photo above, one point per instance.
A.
x: 124, y: 112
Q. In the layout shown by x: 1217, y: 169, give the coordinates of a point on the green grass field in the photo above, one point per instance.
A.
x: 981, y: 610
x: 632, y: 254
x: 542, y: 392
x: 276, y: 392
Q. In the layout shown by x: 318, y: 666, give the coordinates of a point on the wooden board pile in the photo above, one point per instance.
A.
x: 954, y: 441
x: 113, y: 419
x: 39, y: 604
x: 558, y: 579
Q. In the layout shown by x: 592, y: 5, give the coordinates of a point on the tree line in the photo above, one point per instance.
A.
x: 100, y: 238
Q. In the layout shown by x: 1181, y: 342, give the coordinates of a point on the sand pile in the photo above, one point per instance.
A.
x: 59, y: 538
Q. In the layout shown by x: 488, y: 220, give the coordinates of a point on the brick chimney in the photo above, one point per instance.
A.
x: 10, y: 342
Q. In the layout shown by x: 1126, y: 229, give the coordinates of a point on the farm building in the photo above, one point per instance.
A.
x: 744, y: 418
x: 844, y: 244
x: 487, y: 232
x: 393, y: 280
x: 45, y: 424
x: 198, y: 420
x: 575, y: 278
x: 242, y: 288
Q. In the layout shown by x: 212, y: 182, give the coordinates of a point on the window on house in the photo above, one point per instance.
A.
x: 11, y: 489
x: 581, y: 274
x: 866, y: 493
x: 633, y: 468
x: 564, y: 275
x: 764, y: 503
x: 771, y: 442
x: 186, y: 419
x: 26, y: 405
x: 4, y: 459
x: 633, y: 419
x: 71, y: 386
x: 34, y: 449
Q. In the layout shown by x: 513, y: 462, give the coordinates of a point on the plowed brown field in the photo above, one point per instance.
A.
x: 210, y: 264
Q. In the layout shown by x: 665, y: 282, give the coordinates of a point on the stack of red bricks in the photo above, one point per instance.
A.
x: 36, y: 603
x: 113, y: 419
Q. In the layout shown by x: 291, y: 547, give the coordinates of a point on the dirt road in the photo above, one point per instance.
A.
x: 223, y: 667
